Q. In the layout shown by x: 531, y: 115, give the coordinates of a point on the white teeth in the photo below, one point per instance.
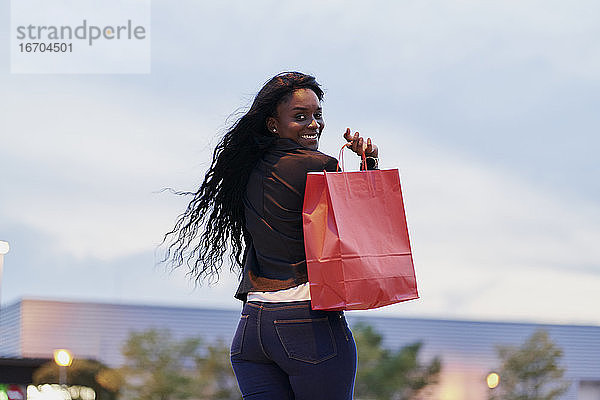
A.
x: 313, y: 136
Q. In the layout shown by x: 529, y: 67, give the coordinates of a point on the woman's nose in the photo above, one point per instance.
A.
x: 313, y: 124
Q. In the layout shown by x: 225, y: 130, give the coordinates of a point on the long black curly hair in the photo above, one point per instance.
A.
x: 214, y: 222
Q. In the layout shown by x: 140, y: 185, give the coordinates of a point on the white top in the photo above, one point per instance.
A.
x: 296, y: 293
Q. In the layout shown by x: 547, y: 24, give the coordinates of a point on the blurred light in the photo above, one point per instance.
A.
x: 58, y: 392
x: 62, y: 357
x: 493, y: 380
x: 87, y: 393
x: 4, y: 247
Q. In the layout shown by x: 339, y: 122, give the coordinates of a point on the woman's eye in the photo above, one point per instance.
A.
x: 318, y: 115
x: 300, y: 117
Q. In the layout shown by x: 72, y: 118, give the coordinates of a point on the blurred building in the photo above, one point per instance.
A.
x: 34, y: 328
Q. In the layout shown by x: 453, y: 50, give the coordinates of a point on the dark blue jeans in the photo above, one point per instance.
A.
x: 288, y: 351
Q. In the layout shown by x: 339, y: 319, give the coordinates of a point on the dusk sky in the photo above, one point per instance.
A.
x: 488, y: 109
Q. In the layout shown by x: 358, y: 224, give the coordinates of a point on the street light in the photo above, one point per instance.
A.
x: 4, y: 248
x: 63, y: 359
x: 493, y: 380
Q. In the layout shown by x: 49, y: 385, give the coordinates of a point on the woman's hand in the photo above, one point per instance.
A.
x: 357, y: 144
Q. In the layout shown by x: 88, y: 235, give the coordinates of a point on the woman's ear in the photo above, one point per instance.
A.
x: 272, y: 124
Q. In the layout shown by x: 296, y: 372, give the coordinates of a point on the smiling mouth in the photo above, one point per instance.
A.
x: 310, y: 136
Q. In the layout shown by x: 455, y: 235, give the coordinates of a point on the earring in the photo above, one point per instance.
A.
x: 274, y: 130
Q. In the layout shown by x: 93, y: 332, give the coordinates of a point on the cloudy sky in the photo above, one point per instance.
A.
x: 488, y: 109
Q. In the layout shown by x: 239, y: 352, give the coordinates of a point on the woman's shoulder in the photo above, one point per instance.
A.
x: 329, y: 163
x: 289, y: 154
x: 309, y: 160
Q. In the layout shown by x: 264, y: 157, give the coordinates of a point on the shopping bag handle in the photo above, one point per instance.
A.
x: 341, y: 159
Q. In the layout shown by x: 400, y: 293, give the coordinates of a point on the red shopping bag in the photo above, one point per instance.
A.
x: 356, y: 240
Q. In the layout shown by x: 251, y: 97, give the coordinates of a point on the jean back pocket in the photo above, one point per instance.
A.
x: 307, y: 340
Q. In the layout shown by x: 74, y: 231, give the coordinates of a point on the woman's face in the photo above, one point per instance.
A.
x: 300, y: 118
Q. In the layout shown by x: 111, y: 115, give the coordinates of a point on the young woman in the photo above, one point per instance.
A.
x: 250, y: 204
